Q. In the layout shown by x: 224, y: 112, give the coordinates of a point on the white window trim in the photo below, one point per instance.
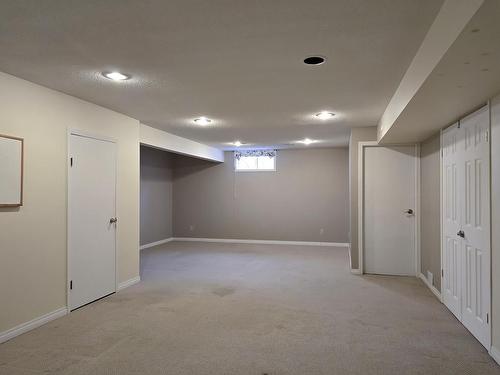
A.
x: 255, y: 170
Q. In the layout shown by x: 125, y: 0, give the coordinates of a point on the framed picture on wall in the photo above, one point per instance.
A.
x: 11, y: 171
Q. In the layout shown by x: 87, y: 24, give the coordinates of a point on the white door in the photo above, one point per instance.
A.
x: 451, y: 208
x: 466, y: 223
x: 476, y: 225
x: 91, y: 208
x: 389, y: 199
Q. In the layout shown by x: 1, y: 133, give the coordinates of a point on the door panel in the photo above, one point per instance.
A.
x: 91, y: 205
x: 466, y: 223
x: 476, y: 225
x: 389, y: 190
x: 452, y: 247
x: 452, y: 284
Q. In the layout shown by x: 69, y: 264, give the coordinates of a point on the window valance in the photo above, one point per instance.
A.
x: 268, y: 153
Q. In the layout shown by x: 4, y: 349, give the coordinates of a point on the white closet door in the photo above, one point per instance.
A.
x: 476, y: 225
x: 452, y: 246
x: 91, y: 198
x: 466, y: 223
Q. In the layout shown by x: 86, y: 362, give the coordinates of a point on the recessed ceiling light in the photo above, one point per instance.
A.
x: 314, y: 60
x: 324, y: 115
x: 116, y: 76
x: 202, y: 120
x: 237, y: 143
x: 307, y: 141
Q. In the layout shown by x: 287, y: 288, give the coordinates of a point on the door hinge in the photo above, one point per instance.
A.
x: 487, y: 318
x: 71, y: 162
x: 487, y: 136
x: 71, y: 285
x: 442, y: 272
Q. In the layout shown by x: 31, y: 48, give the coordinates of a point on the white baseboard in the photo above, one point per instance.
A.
x: 356, y: 271
x: 261, y: 242
x: 32, y: 324
x: 495, y: 354
x: 433, y: 289
x: 128, y: 283
x: 156, y: 243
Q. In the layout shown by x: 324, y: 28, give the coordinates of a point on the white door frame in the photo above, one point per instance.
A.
x: 441, y: 209
x: 68, y: 208
x: 361, y: 211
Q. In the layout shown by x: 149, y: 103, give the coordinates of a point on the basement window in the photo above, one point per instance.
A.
x: 255, y: 160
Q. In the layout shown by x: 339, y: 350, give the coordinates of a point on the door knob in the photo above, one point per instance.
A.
x: 461, y: 233
x: 113, y: 220
x: 408, y: 211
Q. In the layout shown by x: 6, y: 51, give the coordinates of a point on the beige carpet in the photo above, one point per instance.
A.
x: 253, y: 309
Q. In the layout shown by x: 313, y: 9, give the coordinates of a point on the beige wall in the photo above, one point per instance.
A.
x: 307, y: 193
x: 33, y: 237
x: 357, y: 135
x: 430, y: 219
x: 156, y: 195
x: 495, y: 221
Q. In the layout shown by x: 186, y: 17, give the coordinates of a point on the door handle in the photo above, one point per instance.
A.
x: 461, y: 233
x: 113, y: 220
x: 408, y: 211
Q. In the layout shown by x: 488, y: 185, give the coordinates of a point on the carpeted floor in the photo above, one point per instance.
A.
x: 205, y: 308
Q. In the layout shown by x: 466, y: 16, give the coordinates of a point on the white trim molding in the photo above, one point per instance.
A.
x: 495, y: 354
x: 355, y: 271
x: 361, y: 176
x: 32, y: 324
x: 433, y: 289
x: 261, y: 242
x: 129, y: 282
x: 156, y: 243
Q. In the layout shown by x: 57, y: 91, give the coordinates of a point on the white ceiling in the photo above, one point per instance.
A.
x: 236, y: 61
x: 463, y: 80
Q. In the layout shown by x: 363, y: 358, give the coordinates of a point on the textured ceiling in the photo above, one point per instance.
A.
x: 466, y: 77
x: 236, y: 61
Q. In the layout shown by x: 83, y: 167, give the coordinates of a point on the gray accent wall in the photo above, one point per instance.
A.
x: 305, y: 199
x: 430, y: 222
x: 156, y: 195
x: 357, y: 135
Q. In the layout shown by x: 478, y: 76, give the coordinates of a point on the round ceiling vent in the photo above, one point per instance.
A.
x: 314, y: 60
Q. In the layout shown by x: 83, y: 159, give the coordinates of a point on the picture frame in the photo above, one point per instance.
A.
x: 11, y: 171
